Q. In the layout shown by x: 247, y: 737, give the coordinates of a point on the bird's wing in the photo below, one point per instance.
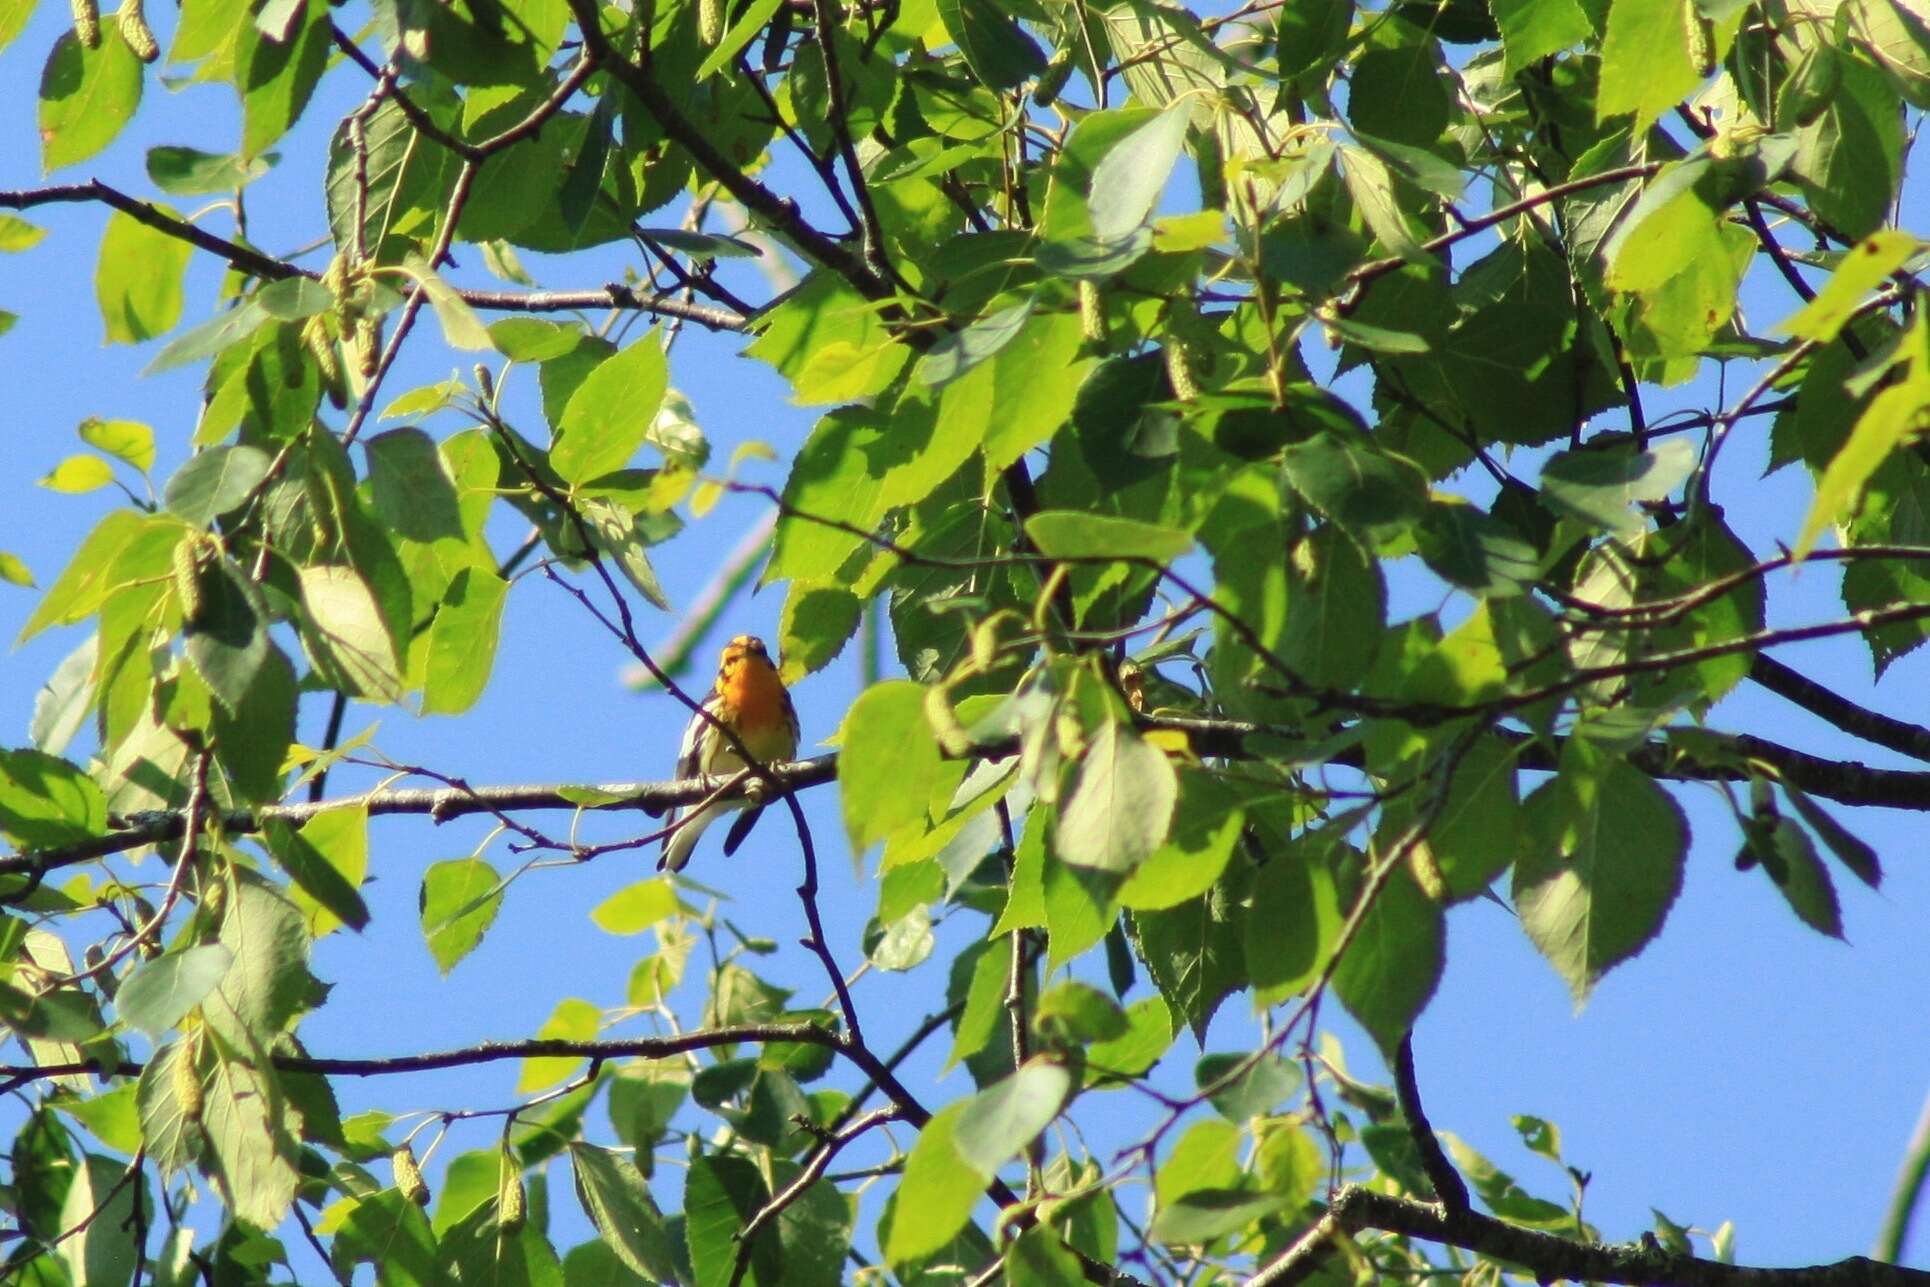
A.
x: 690, y: 764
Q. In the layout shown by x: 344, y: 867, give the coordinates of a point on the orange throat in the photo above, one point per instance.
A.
x: 755, y: 694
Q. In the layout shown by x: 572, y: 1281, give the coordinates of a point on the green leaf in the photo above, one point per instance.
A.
x: 16, y: 234
x: 1601, y: 863
x: 573, y: 1019
x: 209, y: 338
x: 46, y: 801
x: 998, y: 1122
x: 1533, y: 29
x: 138, y: 278
x: 345, y: 634
x: 213, y: 482
x: 79, y: 474
x: 610, y: 412
x: 615, y: 1197
x: 1371, y: 185
x: 461, y: 328
x: 252, y: 1146
x: 459, y: 901
x: 328, y: 858
x: 636, y: 907
x: 1855, y: 855
x: 386, y: 1229
x: 960, y: 351
x: 462, y: 641
x: 1394, y: 963
x: 1121, y: 804
x: 1365, y: 491
x: 86, y: 96
x: 1194, y: 952
x: 1206, y: 1214
x: 1128, y: 181
x: 1336, y: 610
x: 1196, y: 850
x: 1311, y: 33
x: 903, y: 944
x: 1864, y: 267
x: 1068, y: 534
x: 1037, y: 1258
x: 1500, y: 1192
x: 126, y: 440
x: 753, y: 20
x: 1149, y: 1033
x: 227, y: 640
x: 1075, y: 1013
x: 99, y: 1203
x: 617, y: 534
x: 1803, y: 880
x: 160, y: 992
x: 1475, y: 550
x: 1890, y: 419
x: 189, y: 172
x: 936, y: 1196
x: 172, y: 1141
x: 252, y: 741
x: 15, y: 572
x: 720, y: 1196
x: 1849, y: 161
x: 814, y: 626
x: 531, y: 339
x: 410, y: 484
x: 55, y: 1019
x: 996, y: 48
x: 1600, y: 487
x: 1205, y: 1159
x: 277, y: 76
x: 268, y: 984
x: 888, y: 763
x: 1246, y: 1085
x: 1645, y: 61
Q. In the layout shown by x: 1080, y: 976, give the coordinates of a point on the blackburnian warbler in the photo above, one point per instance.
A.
x: 750, y: 700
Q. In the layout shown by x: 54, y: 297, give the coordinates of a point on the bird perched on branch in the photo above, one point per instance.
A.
x: 750, y: 700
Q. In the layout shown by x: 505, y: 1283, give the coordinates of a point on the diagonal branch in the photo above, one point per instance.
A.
x: 1912, y: 740
x: 242, y: 257
x: 779, y: 213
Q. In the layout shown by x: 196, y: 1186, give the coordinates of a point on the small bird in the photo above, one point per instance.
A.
x: 751, y: 701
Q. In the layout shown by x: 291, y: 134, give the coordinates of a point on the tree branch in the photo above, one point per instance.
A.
x: 780, y: 214
x: 1844, y: 781
x: 242, y: 257
x: 613, y: 295
x: 1910, y: 739
x: 1548, y: 1256
x: 1449, y: 1187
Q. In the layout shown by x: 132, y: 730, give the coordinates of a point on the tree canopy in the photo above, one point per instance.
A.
x: 1280, y: 465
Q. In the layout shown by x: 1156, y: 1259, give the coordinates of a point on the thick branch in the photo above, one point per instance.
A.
x: 1844, y: 781
x: 1549, y: 1257
x: 1912, y: 740
x: 1448, y: 1184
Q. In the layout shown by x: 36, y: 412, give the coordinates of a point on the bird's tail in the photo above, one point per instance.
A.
x: 678, y: 846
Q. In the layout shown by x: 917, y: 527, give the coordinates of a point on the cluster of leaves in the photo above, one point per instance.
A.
x: 1067, y: 268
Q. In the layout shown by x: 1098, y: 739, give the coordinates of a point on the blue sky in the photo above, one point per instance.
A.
x: 1743, y: 1068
